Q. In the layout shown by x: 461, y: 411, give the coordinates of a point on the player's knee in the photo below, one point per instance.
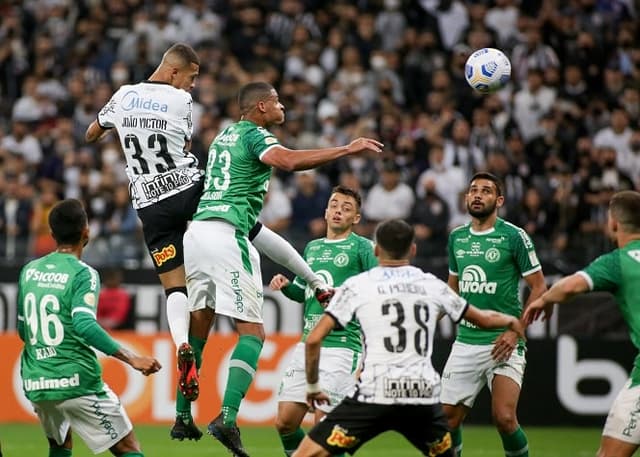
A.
x: 285, y: 425
x: 454, y: 415
x: 505, y: 420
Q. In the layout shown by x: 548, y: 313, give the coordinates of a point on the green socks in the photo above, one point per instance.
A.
x: 183, y: 406
x: 242, y: 369
x: 515, y: 444
x: 133, y: 454
x: 291, y: 441
x: 59, y: 452
x: 456, y: 441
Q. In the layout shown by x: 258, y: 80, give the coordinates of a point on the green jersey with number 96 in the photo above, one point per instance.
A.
x: 56, y: 363
x: 236, y: 180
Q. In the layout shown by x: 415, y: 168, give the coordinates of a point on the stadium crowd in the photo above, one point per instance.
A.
x: 564, y: 135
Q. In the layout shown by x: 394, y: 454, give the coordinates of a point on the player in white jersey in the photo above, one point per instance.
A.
x: 154, y: 125
x: 397, y: 306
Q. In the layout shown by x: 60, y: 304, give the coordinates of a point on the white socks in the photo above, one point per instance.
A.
x: 178, y: 317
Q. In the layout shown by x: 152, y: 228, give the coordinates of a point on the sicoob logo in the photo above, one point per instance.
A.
x: 161, y: 256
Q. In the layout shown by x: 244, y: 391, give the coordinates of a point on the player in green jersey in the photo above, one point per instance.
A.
x: 337, y: 257
x: 617, y: 272
x: 487, y: 258
x: 61, y: 376
x: 222, y: 267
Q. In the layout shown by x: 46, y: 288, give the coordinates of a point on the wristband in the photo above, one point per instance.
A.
x: 313, y: 388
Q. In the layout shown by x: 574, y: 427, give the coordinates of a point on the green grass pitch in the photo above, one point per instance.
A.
x: 20, y: 440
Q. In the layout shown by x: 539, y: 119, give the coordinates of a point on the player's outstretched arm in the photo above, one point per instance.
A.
x: 145, y: 365
x: 561, y: 291
x: 485, y: 318
x: 295, y: 160
x: 312, y: 359
x: 95, y: 132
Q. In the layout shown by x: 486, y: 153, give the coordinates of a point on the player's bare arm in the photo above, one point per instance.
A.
x: 95, y: 132
x: 508, y: 340
x: 485, y: 318
x: 295, y: 160
x: 452, y: 281
x: 312, y: 359
x: 146, y: 365
x: 278, y: 282
x: 559, y: 292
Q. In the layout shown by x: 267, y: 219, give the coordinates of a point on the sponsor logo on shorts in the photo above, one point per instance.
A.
x: 441, y: 446
x: 633, y: 420
x: 43, y: 383
x: 405, y: 387
x: 165, y: 254
x: 237, y: 291
x: 105, y: 423
x: 339, y: 438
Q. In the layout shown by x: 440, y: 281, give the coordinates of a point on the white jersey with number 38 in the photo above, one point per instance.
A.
x: 398, y: 309
x: 153, y: 121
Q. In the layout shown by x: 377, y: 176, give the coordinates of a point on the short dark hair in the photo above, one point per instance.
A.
x: 489, y: 177
x: 185, y: 53
x: 395, y: 237
x: 348, y: 191
x: 625, y: 208
x: 252, y: 93
x: 67, y: 219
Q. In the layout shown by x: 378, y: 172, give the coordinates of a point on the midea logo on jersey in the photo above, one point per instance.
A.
x: 474, y: 280
x: 132, y: 100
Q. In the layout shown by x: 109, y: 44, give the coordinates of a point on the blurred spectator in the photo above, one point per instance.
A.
x: 308, y: 204
x: 43, y: 242
x: 430, y: 217
x: 389, y: 198
x: 114, y: 302
x: 276, y: 212
x: 533, y: 53
x: 460, y: 152
x: 449, y: 182
x: 531, y: 103
x: 21, y: 142
x: 15, y: 216
x: 535, y: 217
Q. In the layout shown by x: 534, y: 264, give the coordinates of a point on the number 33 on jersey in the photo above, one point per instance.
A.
x: 154, y: 123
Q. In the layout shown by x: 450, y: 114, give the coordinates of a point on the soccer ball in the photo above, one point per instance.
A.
x: 487, y: 70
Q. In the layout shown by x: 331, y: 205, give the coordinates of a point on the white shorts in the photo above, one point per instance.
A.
x: 222, y: 271
x: 336, y: 376
x: 623, y: 421
x: 470, y: 367
x: 99, y: 419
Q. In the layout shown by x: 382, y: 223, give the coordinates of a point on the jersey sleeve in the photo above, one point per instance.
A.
x: 85, y: 292
x: 524, y: 253
x: 343, y: 304
x: 368, y: 258
x: 186, y: 117
x: 20, y: 307
x: 107, y: 116
x: 603, y: 274
x: 259, y: 140
x: 450, y: 302
x: 453, y: 266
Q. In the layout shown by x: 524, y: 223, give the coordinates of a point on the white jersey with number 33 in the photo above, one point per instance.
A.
x: 398, y: 309
x: 153, y: 121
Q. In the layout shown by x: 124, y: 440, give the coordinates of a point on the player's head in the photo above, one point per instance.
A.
x: 394, y: 241
x: 181, y: 65
x: 624, y: 213
x: 259, y: 103
x: 68, y: 223
x: 343, y: 209
x: 484, y: 195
